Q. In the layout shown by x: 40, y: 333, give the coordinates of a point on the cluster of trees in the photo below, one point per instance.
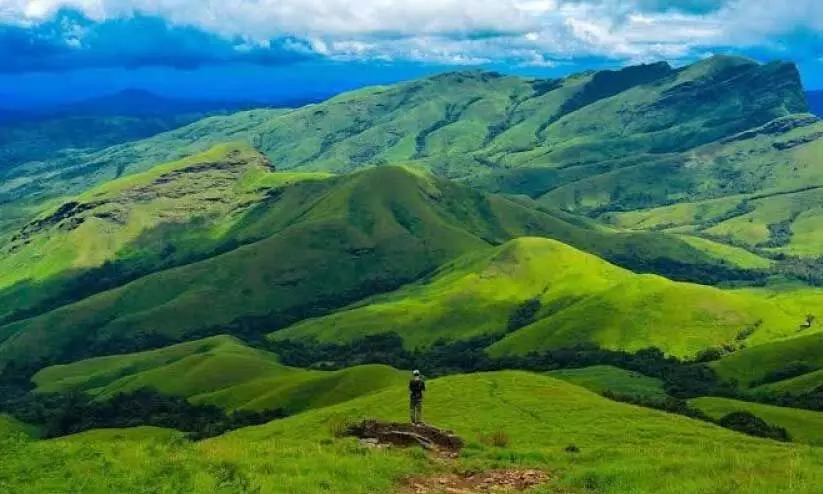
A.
x: 753, y: 425
x: 683, y: 380
x: 703, y: 273
x: 60, y: 414
x: 788, y: 371
x: 70, y: 413
x: 740, y: 421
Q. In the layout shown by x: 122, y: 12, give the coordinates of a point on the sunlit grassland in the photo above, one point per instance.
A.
x: 582, y: 299
x: 623, y: 449
x: 601, y: 378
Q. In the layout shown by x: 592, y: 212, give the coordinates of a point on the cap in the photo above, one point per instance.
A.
x: 416, y: 372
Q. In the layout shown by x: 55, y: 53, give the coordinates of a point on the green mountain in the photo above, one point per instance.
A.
x: 195, y: 247
x: 220, y: 371
x: 539, y: 294
x: 588, y: 142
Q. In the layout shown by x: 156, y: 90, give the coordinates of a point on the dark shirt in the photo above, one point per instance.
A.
x: 416, y: 388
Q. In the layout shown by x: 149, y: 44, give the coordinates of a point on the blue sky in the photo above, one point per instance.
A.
x: 58, y: 50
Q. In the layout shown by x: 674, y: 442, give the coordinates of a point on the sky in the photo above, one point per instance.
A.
x: 53, y: 51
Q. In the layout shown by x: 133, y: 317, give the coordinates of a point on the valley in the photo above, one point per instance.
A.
x: 614, y: 278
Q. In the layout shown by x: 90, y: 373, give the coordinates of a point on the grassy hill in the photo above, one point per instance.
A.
x: 804, y: 426
x: 196, y: 247
x: 166, y: 216
x: 221, y: 371
x: 623, y: 448
x: 574, y: 297
x: 752, y: 365
x: 601, y: 378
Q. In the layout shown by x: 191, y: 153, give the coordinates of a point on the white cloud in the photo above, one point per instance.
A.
x: 461, y: 31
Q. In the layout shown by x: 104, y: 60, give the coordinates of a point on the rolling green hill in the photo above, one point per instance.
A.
x: 804, y: 426
x: 752, y: 365
x: 601, y: 378
x: 575, y: 297
x: 197, y: 247
x: 166, y: 216
x: 622, y: 448
x: 220, y: 371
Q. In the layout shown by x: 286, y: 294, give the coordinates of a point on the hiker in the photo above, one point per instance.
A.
x: 416, y: 389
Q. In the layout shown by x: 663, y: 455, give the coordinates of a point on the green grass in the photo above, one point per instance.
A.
x: 345, y: 238
x: 13, y: 428
x: 582, y: 299
x: 623, y: 449
x: 804, y: 426
x: 209, y: 188
x: 752, y: 364
x: 220, y: 371
x: 734, y: 255
x: 601, y: 378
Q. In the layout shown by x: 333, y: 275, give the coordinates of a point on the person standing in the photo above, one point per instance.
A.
x: 416, y: 388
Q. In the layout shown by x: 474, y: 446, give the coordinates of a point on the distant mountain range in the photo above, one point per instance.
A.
x: 142, y: 103
x: 89, y: 125
x: 816, y: 102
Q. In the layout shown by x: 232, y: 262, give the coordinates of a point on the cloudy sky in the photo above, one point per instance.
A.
x: 52, y: 50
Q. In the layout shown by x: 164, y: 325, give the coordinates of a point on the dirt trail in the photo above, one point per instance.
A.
x: 496, y: 481
x: 445, y: 445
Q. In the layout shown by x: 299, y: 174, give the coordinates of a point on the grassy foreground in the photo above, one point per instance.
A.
x: 623, y: 449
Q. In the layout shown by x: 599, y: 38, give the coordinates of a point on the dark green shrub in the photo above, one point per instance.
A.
x: 523, y: 315
x: 753, y: 425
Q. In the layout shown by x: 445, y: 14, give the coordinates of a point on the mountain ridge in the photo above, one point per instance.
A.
x: 584, y: 143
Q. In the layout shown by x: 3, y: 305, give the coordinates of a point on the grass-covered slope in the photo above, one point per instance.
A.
x: 221, y: 371
x: 546, y: 294
x: 168, y: 215
x: 474, y: 295
x: 315, y: 245
x: 623, y: 449
x: 602, y: 378
x: 804, y: 426
x: 217, y: 247
x: 776, y: 204
x: 13, y: 429
x: 752, y: 365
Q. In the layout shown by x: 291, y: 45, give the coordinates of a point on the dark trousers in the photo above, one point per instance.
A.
x: 416, y: 410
